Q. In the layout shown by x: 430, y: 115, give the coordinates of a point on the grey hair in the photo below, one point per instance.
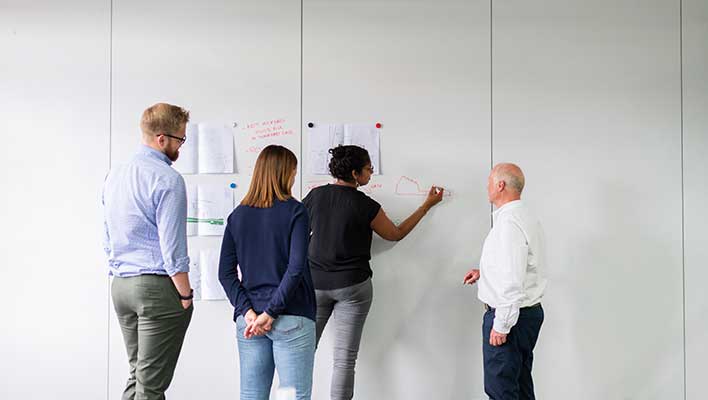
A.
x: 512, y: 176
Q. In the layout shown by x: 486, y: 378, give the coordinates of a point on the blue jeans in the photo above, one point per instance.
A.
x: 289, y: 347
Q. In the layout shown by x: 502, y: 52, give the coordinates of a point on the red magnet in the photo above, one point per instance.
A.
x: 378, y: 125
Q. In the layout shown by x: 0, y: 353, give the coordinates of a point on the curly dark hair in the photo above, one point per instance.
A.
x: 346, y: 159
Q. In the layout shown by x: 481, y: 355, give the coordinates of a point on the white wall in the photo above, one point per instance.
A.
x: 695, y: 124
x: 232, y: 61
x: 54, y: 106
x: 422, y: 71
x: 587, y: 101
x: 585, y: 96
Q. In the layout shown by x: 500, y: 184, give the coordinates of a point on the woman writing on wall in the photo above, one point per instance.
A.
x: 274, y: 301
x: 342, y: 220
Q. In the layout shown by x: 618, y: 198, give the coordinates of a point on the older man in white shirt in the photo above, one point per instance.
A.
x: 511, y: 285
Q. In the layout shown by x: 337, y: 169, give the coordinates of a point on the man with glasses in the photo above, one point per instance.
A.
x: 145, y: 218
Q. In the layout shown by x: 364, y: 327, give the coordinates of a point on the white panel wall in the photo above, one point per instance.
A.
x: 53, y: 157
x: 587, y: 102
x: 421, y: 69
x: 226, y: 61
x: 586, y: 98
x: 695, y: 123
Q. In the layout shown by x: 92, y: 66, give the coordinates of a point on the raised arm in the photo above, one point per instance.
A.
x: 385, y: 228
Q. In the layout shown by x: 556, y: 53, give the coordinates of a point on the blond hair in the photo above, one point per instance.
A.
x: 274, y: 169
x: 163, y: 118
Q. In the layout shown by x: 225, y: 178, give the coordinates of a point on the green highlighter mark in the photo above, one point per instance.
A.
x: 210, y: 221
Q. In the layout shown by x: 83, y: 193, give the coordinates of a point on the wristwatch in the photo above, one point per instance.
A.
x: 190, y: 297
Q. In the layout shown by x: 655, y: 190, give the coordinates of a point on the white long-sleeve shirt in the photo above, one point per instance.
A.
x: 512, y: 263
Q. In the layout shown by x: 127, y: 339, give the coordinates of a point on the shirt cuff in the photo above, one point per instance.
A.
x: 501, y: 326
x: 180, y: 265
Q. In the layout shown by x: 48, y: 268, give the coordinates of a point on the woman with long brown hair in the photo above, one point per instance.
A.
x: 274, y: 300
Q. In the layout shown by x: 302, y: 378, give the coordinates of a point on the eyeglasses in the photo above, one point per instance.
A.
x: 181, y: 139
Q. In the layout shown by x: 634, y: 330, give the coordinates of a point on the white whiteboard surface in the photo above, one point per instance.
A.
x: 695, y: 64
x: 226, y: 62
x: 422, y: 71
x: 53, y: 159
x: 577, y: 105
x: 585, y: 99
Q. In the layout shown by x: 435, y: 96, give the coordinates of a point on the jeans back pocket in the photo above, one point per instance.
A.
x: 287, y: 324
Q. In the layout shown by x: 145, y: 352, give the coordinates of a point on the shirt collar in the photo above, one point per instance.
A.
x: 150, y: 152
x: 508, y: 206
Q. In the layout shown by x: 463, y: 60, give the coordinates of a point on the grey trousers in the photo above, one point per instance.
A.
x: 348, y: 307
x: 153, y: 323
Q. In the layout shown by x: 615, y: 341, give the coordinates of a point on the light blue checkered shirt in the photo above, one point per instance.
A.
x: 145, y: 217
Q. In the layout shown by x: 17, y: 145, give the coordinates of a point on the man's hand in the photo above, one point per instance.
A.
x: 181, y: 282
x: 260, y: 326
x: 496, y: 338
x: 471, y: 277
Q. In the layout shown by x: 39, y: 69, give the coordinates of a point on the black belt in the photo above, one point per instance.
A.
x: 490, y: 308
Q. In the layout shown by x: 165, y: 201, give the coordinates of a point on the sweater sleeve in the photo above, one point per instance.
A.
x: 228, y: 274
x: 297, y: 262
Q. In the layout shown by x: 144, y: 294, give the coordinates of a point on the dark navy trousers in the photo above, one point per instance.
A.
x: 507, y: 368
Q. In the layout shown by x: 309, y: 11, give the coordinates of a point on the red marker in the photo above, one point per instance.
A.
x: 378, y: 125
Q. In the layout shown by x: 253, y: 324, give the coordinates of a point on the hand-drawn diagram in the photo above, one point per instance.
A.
x: 371, y: 188
x: 410, y: 187
x: 268, y: 130
x: 256, y: 135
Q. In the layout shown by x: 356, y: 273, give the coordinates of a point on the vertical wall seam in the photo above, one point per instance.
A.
x: 683, y: 204
x: 491, y: 98
x: 302, y: 130
x: 110, y: 160
x: 110, y: 85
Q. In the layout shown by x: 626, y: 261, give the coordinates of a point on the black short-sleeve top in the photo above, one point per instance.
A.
x: 340, y: 245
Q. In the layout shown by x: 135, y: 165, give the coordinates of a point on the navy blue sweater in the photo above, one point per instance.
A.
x: 270, y: 247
